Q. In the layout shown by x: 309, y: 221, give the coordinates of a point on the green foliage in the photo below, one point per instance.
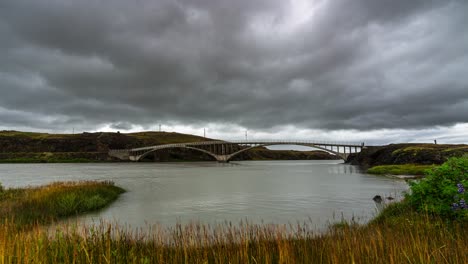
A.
x: 404, y: 169
x: 395, y: 213
x: 436, y: 193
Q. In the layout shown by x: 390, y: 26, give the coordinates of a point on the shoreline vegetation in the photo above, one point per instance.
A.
x: 26, y: 207
x: 429, y: 226
x: 401, y: 169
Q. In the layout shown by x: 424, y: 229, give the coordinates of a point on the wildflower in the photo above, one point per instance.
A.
x: 463, y: 204
x: 455, y: 206
x: 461, y: 189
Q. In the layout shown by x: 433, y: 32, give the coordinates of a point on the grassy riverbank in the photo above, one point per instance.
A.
x: 408, y: 237
x: 403, y: 169
x: 429, y: 226
x: 25, y: 207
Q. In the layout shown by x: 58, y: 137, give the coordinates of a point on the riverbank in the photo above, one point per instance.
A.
x: 417, y: 230
x: 399, y: 235
x: 400, y: 170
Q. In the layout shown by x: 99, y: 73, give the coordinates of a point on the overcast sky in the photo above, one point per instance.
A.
x: 378, y: 71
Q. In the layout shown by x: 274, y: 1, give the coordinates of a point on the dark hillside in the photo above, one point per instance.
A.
x: 14, y: 141
x: 426, y: 154
x: 88, y: 147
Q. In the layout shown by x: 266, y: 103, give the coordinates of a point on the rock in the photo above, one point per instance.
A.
x: 377, y: 199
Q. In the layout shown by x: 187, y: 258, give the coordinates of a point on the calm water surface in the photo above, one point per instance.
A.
x: 279, y: 192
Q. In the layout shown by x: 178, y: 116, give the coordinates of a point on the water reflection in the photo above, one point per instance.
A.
x: 344, y: 169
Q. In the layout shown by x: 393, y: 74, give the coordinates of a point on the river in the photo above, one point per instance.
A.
x: 279, y: 192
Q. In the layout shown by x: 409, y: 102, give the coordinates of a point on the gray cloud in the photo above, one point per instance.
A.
x: 358, y: 64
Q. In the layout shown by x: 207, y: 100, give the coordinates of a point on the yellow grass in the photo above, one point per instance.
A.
x: 412, y: 241
x: 398, y: 235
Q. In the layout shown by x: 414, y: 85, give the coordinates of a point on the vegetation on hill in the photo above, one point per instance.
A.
x: 411, y: 159
x: 28, y: 147
x: 262, y: 153
x: 15, y: 141
x: 423, y: 154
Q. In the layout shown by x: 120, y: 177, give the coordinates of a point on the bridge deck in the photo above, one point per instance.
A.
x: 254, y: 142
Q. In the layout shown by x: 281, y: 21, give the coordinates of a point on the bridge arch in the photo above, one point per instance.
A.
x: 173, y: 147
x: 340, y: 155
x: 224, y: 151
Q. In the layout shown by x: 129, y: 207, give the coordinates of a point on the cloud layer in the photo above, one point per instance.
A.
x: 360, y: 65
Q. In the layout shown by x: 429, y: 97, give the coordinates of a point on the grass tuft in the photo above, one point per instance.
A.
x: 28, y: 206
x: 404, y: 169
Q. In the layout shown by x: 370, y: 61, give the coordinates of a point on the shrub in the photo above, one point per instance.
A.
x: 437, y: 193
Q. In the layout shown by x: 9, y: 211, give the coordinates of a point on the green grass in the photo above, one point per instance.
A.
x: 404, y: 169
x: 27, y: 206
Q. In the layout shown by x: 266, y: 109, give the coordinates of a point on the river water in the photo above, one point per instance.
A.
x: 279, y: 192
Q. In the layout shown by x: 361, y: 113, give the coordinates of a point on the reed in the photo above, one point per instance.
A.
x: 411, y: 239
x: 398, y: 235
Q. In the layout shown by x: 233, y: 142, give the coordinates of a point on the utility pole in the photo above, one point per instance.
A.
x: 204, y: 133
x: 246, y: 135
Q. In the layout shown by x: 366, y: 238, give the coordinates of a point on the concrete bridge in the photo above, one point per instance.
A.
x: 224, y: 151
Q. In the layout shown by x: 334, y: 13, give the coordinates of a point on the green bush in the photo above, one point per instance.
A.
x: 437, y: 193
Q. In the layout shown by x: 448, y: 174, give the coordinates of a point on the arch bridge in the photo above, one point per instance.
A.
x: 224, y: 151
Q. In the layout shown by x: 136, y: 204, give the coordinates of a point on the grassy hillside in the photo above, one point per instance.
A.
x: 423, y: 154
x: 14, y: 141
x: 411, y: 159
x: 29, y: 147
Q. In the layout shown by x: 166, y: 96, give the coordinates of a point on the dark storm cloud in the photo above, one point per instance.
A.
x: 360, y: 64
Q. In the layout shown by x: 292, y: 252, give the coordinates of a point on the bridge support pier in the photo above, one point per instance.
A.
x: 222, y: 158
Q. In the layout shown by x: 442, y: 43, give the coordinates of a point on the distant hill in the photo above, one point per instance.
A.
x: 14, y: 141
x: 16, y: 146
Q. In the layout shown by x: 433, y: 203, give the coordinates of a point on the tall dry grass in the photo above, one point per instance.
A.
x: 398, y: 235
x: 421, y: 240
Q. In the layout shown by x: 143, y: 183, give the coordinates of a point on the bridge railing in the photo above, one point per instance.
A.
x: 254, y: 142
x: 316, y: 142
